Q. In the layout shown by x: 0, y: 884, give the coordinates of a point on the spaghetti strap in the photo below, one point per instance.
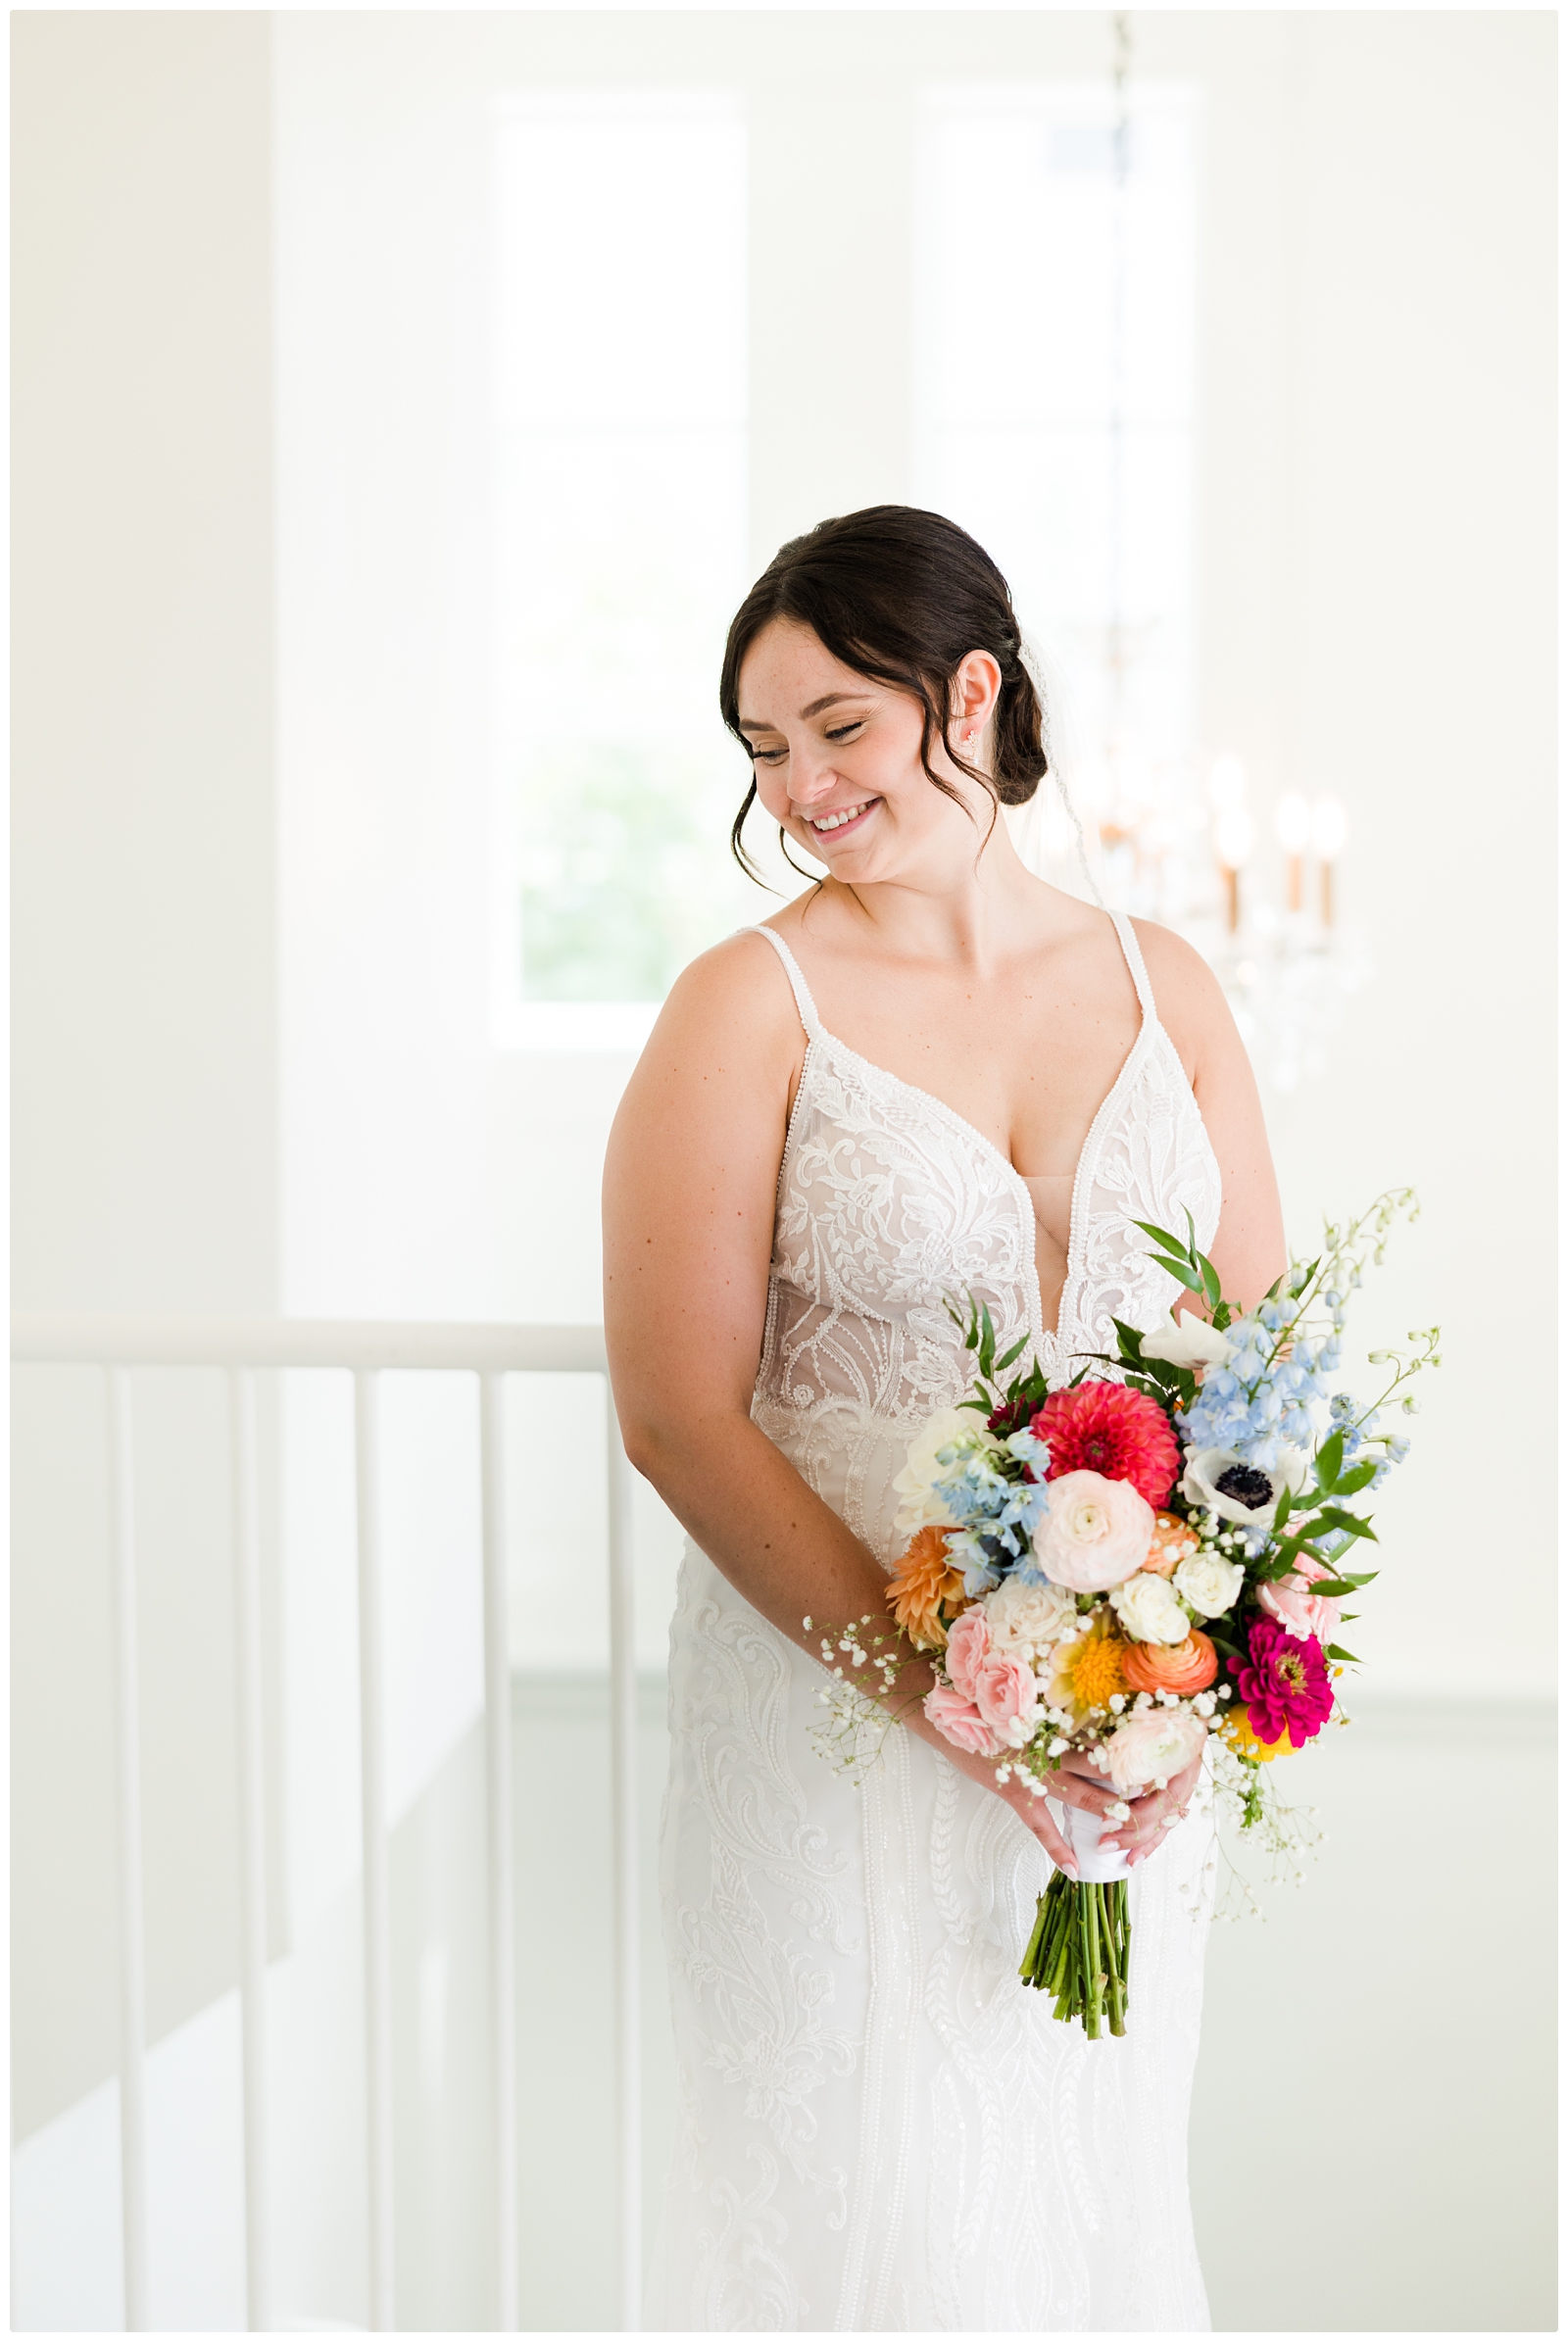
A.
x: 1135, y: 960
x: 798, y: 984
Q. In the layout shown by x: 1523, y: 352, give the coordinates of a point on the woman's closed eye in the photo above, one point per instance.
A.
x: 838, y: 735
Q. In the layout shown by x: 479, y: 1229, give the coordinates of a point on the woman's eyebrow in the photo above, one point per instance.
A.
x: 834, y: 698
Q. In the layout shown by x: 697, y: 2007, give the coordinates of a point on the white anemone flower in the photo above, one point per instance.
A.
x: 1219, y: 1481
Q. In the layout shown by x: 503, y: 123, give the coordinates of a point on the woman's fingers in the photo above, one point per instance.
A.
x: 1035, y: 1813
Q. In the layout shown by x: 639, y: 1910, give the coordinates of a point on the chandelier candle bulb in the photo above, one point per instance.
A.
x: 1233, y: 842
x: 1329, y: 829
x: 1295, y: 823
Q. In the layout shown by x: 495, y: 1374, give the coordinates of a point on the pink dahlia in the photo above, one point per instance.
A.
x: 1120, y: 1433
x: 1284, y: 1682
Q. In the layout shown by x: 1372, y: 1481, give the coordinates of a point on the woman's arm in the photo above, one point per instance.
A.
x: 1248, y: 1248
x: 690, y: 1182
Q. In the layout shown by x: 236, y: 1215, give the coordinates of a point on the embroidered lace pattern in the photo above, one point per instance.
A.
x: 881, y: 2131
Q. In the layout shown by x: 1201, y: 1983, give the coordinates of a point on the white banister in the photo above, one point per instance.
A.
x: 245, y: 1347
x: 275, y: 1341
x: 498, y: 1842
x: 127, y: 1841
x: 623, y: 1836
x: 377, y: 1901
x: 250, y: 1734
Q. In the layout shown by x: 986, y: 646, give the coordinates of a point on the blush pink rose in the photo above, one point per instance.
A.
x: 1008, y: 1698
x: 1154, y: 1745
x: 1095, y: 1533
x: 959, y: 1721
x: 1298, y: 1610
x: 969, y: 1644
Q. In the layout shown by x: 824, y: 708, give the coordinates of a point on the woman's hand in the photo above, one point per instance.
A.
x: 1154, y: 1815
x: 1032, y: 1811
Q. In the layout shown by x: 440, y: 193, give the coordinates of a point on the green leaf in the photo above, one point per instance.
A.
x: 1357, y: 1478
x: 1330, y: 1462
x: 1163, y: 1236
x: 988, y: 1340
x: 1014, y: 1354
x: 1223, y: 1314
x: 1351, y: 1524
x: 1211, y: 1284
x: 1348, y: 1657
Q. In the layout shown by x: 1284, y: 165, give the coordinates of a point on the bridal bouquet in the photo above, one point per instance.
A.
x: 1139, y: 1562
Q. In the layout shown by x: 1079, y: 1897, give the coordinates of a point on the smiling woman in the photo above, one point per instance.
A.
x: 849, y: 586
x: 930, y: 1075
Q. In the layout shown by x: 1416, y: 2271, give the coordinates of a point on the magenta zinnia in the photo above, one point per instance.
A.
x: 1120, y: 1433
x: 1284, y: 1682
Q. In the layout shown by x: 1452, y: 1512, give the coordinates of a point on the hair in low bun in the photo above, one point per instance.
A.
x: 1018, y: 727
x: 901, y: 596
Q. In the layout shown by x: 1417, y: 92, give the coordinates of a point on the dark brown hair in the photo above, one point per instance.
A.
x: 901, y: 596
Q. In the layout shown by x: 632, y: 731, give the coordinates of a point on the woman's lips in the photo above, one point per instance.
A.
x: 841, y: 819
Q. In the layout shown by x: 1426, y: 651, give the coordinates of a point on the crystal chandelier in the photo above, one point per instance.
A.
x: 1184, y: 849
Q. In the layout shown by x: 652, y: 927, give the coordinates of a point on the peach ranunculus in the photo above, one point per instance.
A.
x: 1184, y: 1669
x: 1172, y: 1542
x: 958, y: 1719
x: 1297, y: 1609
x: 968, y: 1647
x: 1008, y: 1698
x: 1154, y: 1745
x: 1096, y: 1532
x: 924, y: 1585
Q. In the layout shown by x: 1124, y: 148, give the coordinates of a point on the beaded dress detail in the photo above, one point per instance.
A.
x: 881, y: 2131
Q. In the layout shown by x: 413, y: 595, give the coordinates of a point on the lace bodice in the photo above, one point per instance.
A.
x: 890, y: 1204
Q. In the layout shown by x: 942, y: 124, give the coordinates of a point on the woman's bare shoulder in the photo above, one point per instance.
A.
x: 730, y: 1018
x: 1188, y: 995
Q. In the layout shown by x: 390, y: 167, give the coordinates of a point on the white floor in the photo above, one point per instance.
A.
x: 1373, y: 2131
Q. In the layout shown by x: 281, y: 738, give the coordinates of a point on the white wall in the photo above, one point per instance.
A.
x: 146, y: 1153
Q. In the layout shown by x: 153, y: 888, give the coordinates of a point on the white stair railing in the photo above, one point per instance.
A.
x: 243, y: 1347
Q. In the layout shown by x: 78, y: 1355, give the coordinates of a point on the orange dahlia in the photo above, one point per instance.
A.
x: 1185, y: 1668
x: 1119, y: 1432
x: 923, y: 1585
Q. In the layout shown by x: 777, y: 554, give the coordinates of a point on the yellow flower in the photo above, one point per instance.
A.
x: 922, y: 1585
x: 1246, y: 1743
x: 1089, y: 1670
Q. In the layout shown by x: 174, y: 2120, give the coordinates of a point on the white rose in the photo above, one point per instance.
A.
x: 1211, y: 1584
x: 1207, y: 1467
x: 1152, y: 1746
x: 1028, y: 1620
x: 1189, y: 1342
x: 1148, y: 1611
x: 919, y: 1506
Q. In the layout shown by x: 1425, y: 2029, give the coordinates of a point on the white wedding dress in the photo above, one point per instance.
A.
x: 881, y: 2130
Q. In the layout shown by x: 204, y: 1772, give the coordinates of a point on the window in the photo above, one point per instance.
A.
x: 1060, y: 431
x: 619, y: 514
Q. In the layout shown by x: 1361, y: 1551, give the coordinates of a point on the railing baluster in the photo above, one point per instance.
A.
x: 252, y: 1839
x: 377, y: 1899
x: 128, y: 1832
x: 623, y: 1835
x: 497, y: 1774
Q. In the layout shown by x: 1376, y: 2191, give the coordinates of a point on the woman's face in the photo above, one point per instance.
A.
x: 837, y: 759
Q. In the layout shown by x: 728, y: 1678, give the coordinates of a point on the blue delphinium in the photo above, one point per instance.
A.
x: 998, y: 1516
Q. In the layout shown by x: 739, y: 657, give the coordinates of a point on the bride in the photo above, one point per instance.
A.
x: 931, y: 1075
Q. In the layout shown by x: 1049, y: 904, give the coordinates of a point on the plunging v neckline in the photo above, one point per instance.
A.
x: 819, y: 1036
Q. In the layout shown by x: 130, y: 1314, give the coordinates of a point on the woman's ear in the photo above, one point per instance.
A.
x: 976, y: 689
